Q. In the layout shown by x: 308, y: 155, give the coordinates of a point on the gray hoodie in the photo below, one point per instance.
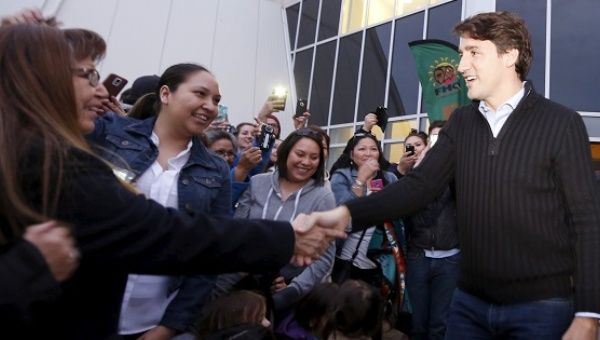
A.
x: 262, y: 199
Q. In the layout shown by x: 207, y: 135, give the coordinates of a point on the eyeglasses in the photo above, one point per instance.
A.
x: 91, y: 74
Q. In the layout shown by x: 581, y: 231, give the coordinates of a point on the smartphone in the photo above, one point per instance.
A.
x: 222, y: 116
x: 114, y: 84
x: 300, y: 107
x: 376, y: 183
x: 279, y: 97
x: 410, y: 149
x: 382, y: 117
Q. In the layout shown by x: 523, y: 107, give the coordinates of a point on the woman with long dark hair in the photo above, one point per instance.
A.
x: 356, y: 173
x: 296, y: 186
x: 48, y: 171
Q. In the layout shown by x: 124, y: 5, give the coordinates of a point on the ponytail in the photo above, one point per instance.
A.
x: 145, y: 107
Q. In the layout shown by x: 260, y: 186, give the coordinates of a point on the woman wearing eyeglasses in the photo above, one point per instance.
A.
x: 295, y: 187
x: 50, y: 172
x: 169, y: 164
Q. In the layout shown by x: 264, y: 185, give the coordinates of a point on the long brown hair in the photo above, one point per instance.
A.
x: 37, y: 109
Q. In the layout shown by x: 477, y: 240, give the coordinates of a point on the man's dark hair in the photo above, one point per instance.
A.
x: 506, y: 30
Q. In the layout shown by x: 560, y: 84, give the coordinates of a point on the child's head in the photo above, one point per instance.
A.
x: 239, y: 307
x: 357, y: 312
x: 313, y: 310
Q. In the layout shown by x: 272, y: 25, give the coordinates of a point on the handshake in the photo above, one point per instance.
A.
x: 314, y: 233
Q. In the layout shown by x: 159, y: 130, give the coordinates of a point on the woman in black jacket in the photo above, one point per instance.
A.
x: 49, y: 172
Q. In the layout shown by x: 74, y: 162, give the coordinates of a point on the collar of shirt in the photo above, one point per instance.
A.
x: 497, y: 119
x: 161, y: 185
x: 177, y: 162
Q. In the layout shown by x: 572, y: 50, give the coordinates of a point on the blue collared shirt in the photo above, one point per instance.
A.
x: 496, y: 121
x: 498, y: 118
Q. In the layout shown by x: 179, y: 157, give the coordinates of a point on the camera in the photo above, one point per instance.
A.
x: 410, y: 149
x: 266, y: 137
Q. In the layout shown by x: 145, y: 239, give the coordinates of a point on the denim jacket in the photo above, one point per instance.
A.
x: 204, y: 185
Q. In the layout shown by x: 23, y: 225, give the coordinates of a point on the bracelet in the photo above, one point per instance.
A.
x: 358, y: 184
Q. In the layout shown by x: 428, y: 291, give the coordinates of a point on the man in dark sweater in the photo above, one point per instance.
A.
x: 527, y: 207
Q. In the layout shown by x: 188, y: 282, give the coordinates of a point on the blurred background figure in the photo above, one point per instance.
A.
x: 238, y: 315
x: 140, y: 87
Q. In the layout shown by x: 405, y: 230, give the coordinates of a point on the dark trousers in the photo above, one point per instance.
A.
x: 430, y: 284
x: 473, y: 318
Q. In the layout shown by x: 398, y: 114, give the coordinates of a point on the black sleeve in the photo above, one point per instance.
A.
x: 580, y: 191
x: 25, y: 280
x: 413, y: 191
x: 118, y: 229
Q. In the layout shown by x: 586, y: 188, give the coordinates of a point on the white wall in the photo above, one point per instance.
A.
x: 241, y: 41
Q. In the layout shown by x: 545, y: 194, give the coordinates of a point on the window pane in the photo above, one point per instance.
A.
x: 375, y: 62
x: 334, y: 154
x: 380, y: 10
x: 308, y: 22
x: 330, y: 18
x: 392, y: 152
x: 353, y: 15
x: 302, y: 72
x: 341, y: 135
x: 442, y: 20
x: 596, y: 157
x: 400, y: 129
x: 404, y: 82
x: 346, y: 79
x: 534, y: 14
x: 593, y: 126
x: 407, y: 6
x: 292, y: 19
x: 575, y: 54
x: 321, y: 85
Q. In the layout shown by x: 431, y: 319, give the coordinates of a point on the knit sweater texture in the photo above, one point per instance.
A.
x: 527, y: 207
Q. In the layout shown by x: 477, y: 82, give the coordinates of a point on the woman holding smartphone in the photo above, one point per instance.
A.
x: 357, y: 173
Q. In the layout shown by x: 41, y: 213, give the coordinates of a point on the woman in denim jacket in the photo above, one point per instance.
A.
x: 166, y: 160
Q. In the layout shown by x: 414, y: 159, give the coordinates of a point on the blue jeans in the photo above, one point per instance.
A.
x: 430, y: 284
x: 473, y: 318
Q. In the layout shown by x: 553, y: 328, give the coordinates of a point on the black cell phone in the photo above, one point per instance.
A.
x: 114, y: 84
x: 300, y: 107
x: 382, y: 117
x: 410, y: 149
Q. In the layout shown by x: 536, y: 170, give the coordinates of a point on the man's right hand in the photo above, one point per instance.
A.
x: 57, y: 246
x: 315, y: 232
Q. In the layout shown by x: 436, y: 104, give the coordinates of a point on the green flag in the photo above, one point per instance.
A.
x: 444, y: 88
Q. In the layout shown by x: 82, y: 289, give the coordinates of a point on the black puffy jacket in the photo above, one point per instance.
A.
x: 434, y: 227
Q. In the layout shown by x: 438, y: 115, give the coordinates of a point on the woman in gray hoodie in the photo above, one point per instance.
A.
x: 296, y: 186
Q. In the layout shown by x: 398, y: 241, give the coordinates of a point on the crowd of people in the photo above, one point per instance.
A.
x: 152, y: 217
